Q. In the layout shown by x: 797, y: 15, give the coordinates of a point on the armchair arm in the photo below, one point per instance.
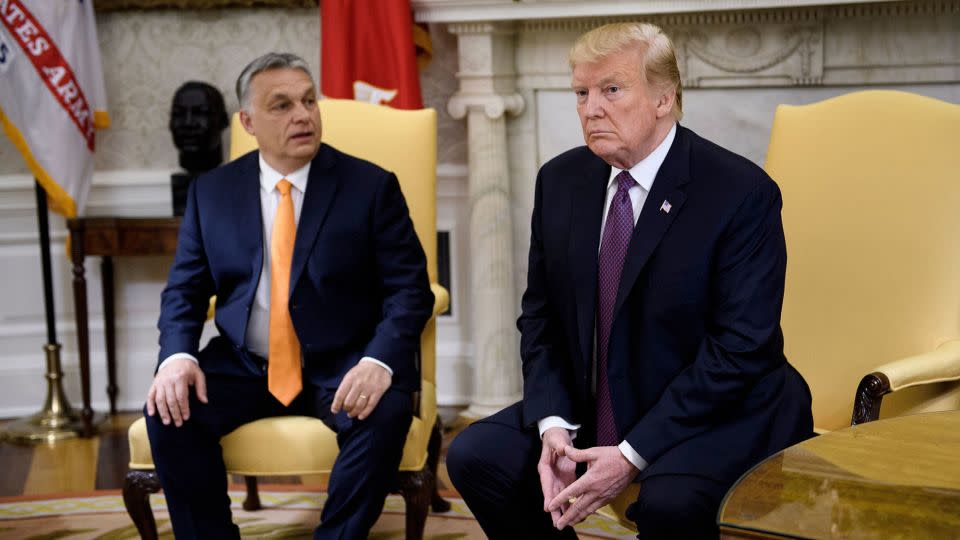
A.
x: 441, y: 301
x: 441, y: 298
x: 940, y: 365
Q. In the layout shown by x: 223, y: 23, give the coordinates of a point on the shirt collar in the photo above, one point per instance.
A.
x: 269, y: 176
x: 646, y: 170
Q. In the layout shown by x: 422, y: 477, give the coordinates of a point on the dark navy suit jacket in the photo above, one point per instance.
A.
x: 358, y: 283
x: 697, y: 374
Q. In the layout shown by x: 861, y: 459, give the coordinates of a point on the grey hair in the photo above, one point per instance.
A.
x: 268, y: 61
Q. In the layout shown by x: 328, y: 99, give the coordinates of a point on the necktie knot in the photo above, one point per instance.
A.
x: 625, y: 181
x: 283, y: 186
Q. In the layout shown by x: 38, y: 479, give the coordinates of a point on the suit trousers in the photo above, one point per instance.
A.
x: 493, y: 464
x: 190, y: 463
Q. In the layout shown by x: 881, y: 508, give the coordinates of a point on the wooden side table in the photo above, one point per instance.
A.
x: 109, y: 237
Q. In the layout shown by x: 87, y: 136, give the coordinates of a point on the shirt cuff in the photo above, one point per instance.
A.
x: 377, y: 362
x: 177, y: 356
x: 632, y: 455
x: 556, y: 421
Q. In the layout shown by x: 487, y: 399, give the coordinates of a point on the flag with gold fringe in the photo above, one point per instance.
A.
x: 52, y: 97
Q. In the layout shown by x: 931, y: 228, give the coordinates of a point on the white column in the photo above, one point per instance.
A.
x: 485, y: 96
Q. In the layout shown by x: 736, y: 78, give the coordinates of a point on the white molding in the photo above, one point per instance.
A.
x: 447, y: 11
x: 444, y: 399
x: 31, y: 238
x: 812, y: 47
x: 451, y: 188
x: 452, y: 170
x: 25, y: 386
x: 130, y: 193
x: 134, y: 192
x: 38, y: 326
x: 454, y: 354
x: 454, y: 367
x: 781, y: 13
x: 15, y: 182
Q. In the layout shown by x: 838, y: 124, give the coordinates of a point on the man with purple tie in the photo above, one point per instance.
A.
x: 650, y: 333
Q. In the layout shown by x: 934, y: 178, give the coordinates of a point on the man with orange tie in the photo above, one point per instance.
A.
x: 322, y: 294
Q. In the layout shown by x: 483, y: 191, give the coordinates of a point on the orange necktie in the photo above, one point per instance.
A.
x: 283, y: 371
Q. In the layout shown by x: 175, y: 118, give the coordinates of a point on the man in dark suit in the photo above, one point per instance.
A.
x: 322, y: 294
x: 650, y: 333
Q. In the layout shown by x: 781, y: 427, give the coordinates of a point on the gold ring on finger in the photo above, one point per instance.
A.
x: 361, y: 396
x: 572, y: 500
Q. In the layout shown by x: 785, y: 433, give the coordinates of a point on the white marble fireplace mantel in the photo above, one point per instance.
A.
x: 512, y: 10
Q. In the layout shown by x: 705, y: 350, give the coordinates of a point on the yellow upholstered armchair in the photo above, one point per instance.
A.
x: 871, y: 212
x: 404, y: 142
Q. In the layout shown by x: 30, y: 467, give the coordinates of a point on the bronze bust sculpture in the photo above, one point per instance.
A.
x: 197, y: 118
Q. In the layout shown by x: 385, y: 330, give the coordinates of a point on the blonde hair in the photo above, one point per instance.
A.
x: 659, y: 59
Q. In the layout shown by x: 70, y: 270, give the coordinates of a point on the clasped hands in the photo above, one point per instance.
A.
x: 569, y: 499
x: 358, y: 393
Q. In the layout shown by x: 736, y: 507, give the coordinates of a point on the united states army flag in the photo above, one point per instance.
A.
x: 52, y: 96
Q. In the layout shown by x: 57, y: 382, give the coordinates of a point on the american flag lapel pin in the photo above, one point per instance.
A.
x: 666, y: 206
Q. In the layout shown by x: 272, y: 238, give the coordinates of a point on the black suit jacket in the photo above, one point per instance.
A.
x: 358, y: 283
x: 697, y: 374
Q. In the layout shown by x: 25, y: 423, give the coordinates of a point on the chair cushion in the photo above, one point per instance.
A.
x: 294, y: 444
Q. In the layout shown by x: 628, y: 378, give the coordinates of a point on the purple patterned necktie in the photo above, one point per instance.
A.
x: 613, y: 250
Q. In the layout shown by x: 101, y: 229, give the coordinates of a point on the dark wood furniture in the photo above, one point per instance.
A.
x: 893, y: 478
x: 109, y: 237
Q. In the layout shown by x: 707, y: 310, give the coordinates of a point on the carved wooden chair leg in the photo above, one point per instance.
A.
x: 417, y: 491
x: 252, y: 502
x: 437, y: 503
x: 137, y: 488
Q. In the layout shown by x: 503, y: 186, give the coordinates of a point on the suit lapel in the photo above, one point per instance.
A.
x: 321, y: 187
x: 246, y: 204
x: 656, y: 216
x: 586, y: 213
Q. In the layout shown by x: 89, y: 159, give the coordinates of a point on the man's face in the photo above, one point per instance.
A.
x: 619, y: 112
x: 284, y: 118
x: 192, y: 121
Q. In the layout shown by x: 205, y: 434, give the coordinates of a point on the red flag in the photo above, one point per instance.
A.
x: 367, y: 52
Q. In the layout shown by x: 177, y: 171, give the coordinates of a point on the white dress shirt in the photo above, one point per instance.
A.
x: 258, y: 325
x: 644, y: 173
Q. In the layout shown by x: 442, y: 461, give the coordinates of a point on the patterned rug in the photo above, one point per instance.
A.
x: 286, y: 514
